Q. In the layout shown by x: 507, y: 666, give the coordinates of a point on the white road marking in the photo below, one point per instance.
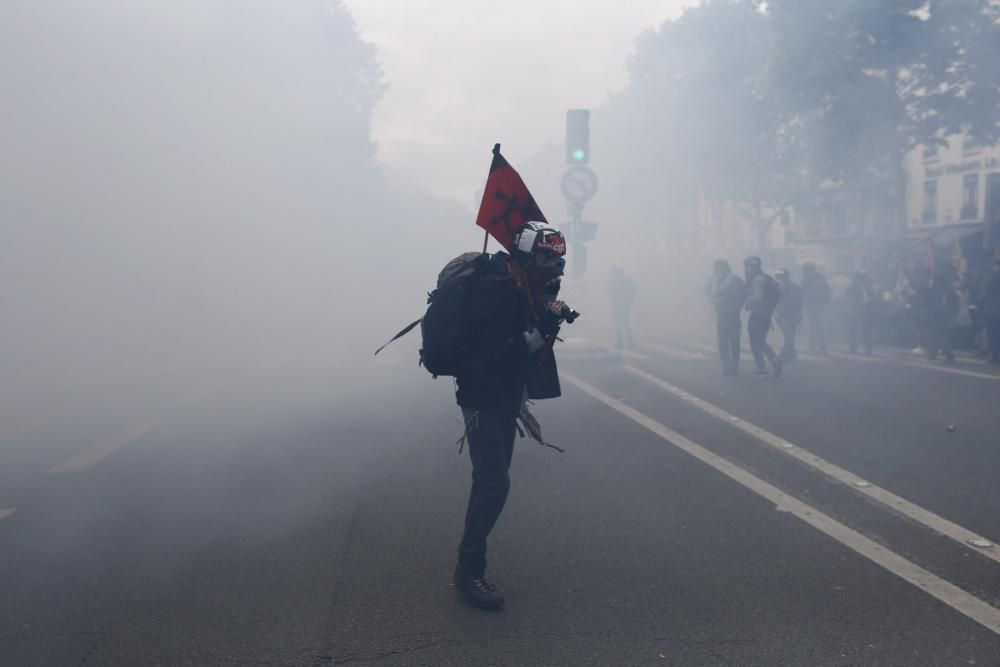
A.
x: 850, y: 356
x: 95, y: 453
x: 950, y: 369
x: 632, y: 354
x: 953, y: 596
x: 674, y: 351
x: 886, y: 498
x: 806, y: 356
x: 4, y: 513
x: 915, y: 356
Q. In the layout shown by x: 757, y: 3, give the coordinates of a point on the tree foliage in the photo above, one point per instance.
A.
x: 757, y: 104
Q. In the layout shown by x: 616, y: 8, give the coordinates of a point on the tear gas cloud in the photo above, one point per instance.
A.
x: 196, y: 185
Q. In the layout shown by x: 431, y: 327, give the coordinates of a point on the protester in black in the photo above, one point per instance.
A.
x: 942, y: 309
x: 789, y: 314
x: 513, y: 322
x: 728, y: 295
x: 762, y: 298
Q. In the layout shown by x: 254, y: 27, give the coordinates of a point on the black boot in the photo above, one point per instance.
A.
x: 477, y: 591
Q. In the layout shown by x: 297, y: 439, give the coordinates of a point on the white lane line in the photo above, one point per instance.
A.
x: 674, y: 351
x: 953, y: 596
x: 922, y: 516
x: 806, y: 356
x: 632, y: 354
x: 4, y: 513
x: 950, y: 369
x: 95, y: 453
x: 916, y: 356
x: 863, y: 358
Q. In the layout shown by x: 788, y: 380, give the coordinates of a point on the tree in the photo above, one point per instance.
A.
x: 871, y: 80
x: 700, y: 87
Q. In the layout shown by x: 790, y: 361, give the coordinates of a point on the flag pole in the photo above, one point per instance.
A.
x: 486, y: 238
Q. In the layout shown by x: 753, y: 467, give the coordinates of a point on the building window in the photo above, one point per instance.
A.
x: 970, y: 197
x: 970, y: 145
x: 930, y: 153
x: 930, y: 202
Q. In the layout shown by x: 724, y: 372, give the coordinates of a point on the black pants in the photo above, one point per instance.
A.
x: 491, y: 447
x: 757, y: 327
x: 727, y: 331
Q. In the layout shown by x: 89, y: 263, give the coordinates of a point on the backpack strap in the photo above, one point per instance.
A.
x: 407, y: 329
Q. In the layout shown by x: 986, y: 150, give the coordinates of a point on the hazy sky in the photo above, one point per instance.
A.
x: 464, y: 74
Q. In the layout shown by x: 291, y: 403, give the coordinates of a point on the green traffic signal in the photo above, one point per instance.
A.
x: 577, y: 136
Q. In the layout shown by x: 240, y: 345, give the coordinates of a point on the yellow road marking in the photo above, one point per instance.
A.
x: 953, y: 596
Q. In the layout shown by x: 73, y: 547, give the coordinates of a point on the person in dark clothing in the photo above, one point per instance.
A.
x: 815, y: 298
x: 762, y: 298
x: 989, y: 310
x: 728, y: 293
x: 942, y: 306
x: 861, y: 299
x: 621, y: 291
x: 789, y: 314
x: 513, y: 321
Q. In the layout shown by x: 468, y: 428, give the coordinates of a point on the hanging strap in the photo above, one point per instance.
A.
x: 406, y: 330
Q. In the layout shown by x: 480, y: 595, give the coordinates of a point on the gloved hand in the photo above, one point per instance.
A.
x: 535, y: 340
x: 551, y: 319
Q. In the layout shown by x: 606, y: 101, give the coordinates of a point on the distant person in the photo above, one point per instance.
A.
x: 815, y: 297
x: 923, y: 288
x: 942, y: 313
x: 789, y: 314
x: 862, y: 309
x: 728, y: 294
x: 902, y: 325
x: 763, y: 295
x: 989, y: 310
x: 621, y: 291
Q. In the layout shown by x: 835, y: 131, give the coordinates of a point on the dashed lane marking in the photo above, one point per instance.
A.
x: 95, y: 453
x: 4, y: 513
x: 886, y: 498
x: 953, y: 596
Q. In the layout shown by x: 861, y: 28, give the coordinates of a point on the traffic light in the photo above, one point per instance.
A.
x: 577, y: 136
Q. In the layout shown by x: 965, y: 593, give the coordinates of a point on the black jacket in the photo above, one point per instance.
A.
x: 498, y: 369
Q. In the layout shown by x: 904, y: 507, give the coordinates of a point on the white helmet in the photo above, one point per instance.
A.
x: 540, y: 237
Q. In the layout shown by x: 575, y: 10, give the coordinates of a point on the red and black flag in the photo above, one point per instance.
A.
x: 506, y: 204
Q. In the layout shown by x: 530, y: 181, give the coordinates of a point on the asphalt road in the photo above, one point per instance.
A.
x: 280, y: 515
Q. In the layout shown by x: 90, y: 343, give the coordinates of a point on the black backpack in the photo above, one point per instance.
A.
x: 444, y: 327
